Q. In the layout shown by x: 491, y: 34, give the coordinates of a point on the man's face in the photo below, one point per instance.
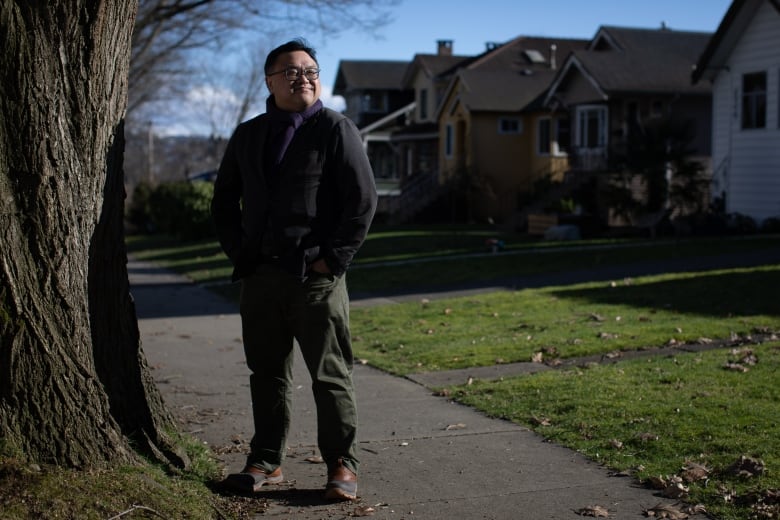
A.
x: 293, y: 95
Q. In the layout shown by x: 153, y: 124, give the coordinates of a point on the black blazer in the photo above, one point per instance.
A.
x: 318, y: 204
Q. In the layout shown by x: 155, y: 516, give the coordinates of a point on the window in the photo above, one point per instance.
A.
x: 657, y: 108
x: 374, y: 102
x: 510, y: 125
x: 562, y: 136
x: 591, y: 127
x: 754, y: 100
x: 423, y: 104
x: 543, y: 136
x: 534, y: 56
x: 449, y: 145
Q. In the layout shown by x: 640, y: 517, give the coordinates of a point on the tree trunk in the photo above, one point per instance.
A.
x: 74, y: 387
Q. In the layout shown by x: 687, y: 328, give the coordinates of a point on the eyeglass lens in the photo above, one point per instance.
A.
x: 293, y: 74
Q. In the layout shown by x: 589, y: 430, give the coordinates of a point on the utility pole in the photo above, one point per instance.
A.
x: 150, y: 153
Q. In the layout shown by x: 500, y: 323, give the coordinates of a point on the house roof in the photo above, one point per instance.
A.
x: 510, y: 77
x: 359, y: 75
x: 432, y: 65
x: 502, y: 90
x: 622, y: 60
x: 730, y: 30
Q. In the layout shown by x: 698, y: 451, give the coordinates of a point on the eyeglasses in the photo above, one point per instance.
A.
x: 294, y: 74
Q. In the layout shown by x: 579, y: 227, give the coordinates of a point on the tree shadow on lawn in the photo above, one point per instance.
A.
x: 734, y: 293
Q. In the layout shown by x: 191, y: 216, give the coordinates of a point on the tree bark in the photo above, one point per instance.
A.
x: 74, y: 386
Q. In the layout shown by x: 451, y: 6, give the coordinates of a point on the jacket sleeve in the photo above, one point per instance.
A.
x: 357, y: 197
x: 226, y: 202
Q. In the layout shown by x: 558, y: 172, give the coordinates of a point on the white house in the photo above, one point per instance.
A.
x: 742, y: 61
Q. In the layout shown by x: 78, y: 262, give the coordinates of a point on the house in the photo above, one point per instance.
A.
x: 371, y: 88
x: 416, y: 143
x: 400, y: 135
x: 626, y: 81
x: 742, y: 63
x: 375, y: 101
x: 496, y: 137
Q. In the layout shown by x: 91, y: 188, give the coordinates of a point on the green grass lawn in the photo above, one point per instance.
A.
x: 569, y: 321
x: 656, y: 416
x: 652, y: 416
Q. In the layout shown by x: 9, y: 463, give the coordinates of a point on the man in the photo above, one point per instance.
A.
x: 293, y: 201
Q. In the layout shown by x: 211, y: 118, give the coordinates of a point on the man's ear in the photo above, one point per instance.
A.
x: 268, y: 85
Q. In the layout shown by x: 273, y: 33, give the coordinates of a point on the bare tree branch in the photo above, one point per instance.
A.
x: 170, y: 35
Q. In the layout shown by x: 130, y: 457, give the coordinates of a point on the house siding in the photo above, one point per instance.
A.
x: 579, y: 90
x: 746, y: 162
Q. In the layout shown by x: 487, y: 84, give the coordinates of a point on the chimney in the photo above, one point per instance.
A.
x: 444, y: 47
x: 553, y: 64
x: 489, y: 46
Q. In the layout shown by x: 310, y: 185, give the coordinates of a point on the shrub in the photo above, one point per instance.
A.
x: 180, y: 209
x: 771, y: 225
x: 138, y: 212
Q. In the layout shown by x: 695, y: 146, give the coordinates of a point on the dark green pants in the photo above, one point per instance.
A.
x: 277, y: 308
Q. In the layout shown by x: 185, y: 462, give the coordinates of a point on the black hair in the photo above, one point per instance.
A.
x: 298, y: 44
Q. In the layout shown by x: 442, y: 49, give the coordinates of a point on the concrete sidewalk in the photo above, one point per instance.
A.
x: 422, y: 455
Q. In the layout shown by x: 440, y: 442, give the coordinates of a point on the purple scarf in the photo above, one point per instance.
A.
x: 283, y: 127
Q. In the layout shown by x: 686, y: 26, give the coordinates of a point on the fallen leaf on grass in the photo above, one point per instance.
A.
x: 694, y: 509
x: 666, y: 511
x: 540, y: 421
x: 675, y: 490
x: 657, y: 482
x: 694, y: 471
x: 595, y: 511
x: 745, y: 356
x: 607, y: 335
x: 647, y: 436
x: 726, y: 493
x: 537, y: 357
x: 764, y: 504
x: 735, y: 367
x: 747, y: 467
x: 618, y: 445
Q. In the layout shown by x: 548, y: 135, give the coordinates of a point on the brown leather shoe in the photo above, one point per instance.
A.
x: 342, y: 483
x: 251, y: 479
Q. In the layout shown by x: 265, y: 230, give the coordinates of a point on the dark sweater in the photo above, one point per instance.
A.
x: 318, y: 204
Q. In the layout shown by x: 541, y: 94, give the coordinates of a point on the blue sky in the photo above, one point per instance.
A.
x: 416, y: 25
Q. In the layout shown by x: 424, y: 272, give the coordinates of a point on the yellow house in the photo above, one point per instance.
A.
x: 496, y: 138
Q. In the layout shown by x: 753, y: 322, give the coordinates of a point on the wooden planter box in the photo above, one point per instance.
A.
x: 538, y: 223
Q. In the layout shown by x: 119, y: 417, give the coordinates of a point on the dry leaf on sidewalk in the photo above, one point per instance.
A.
x: 666, y: 511
x: 595, y: 511
x: 363, y: 511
